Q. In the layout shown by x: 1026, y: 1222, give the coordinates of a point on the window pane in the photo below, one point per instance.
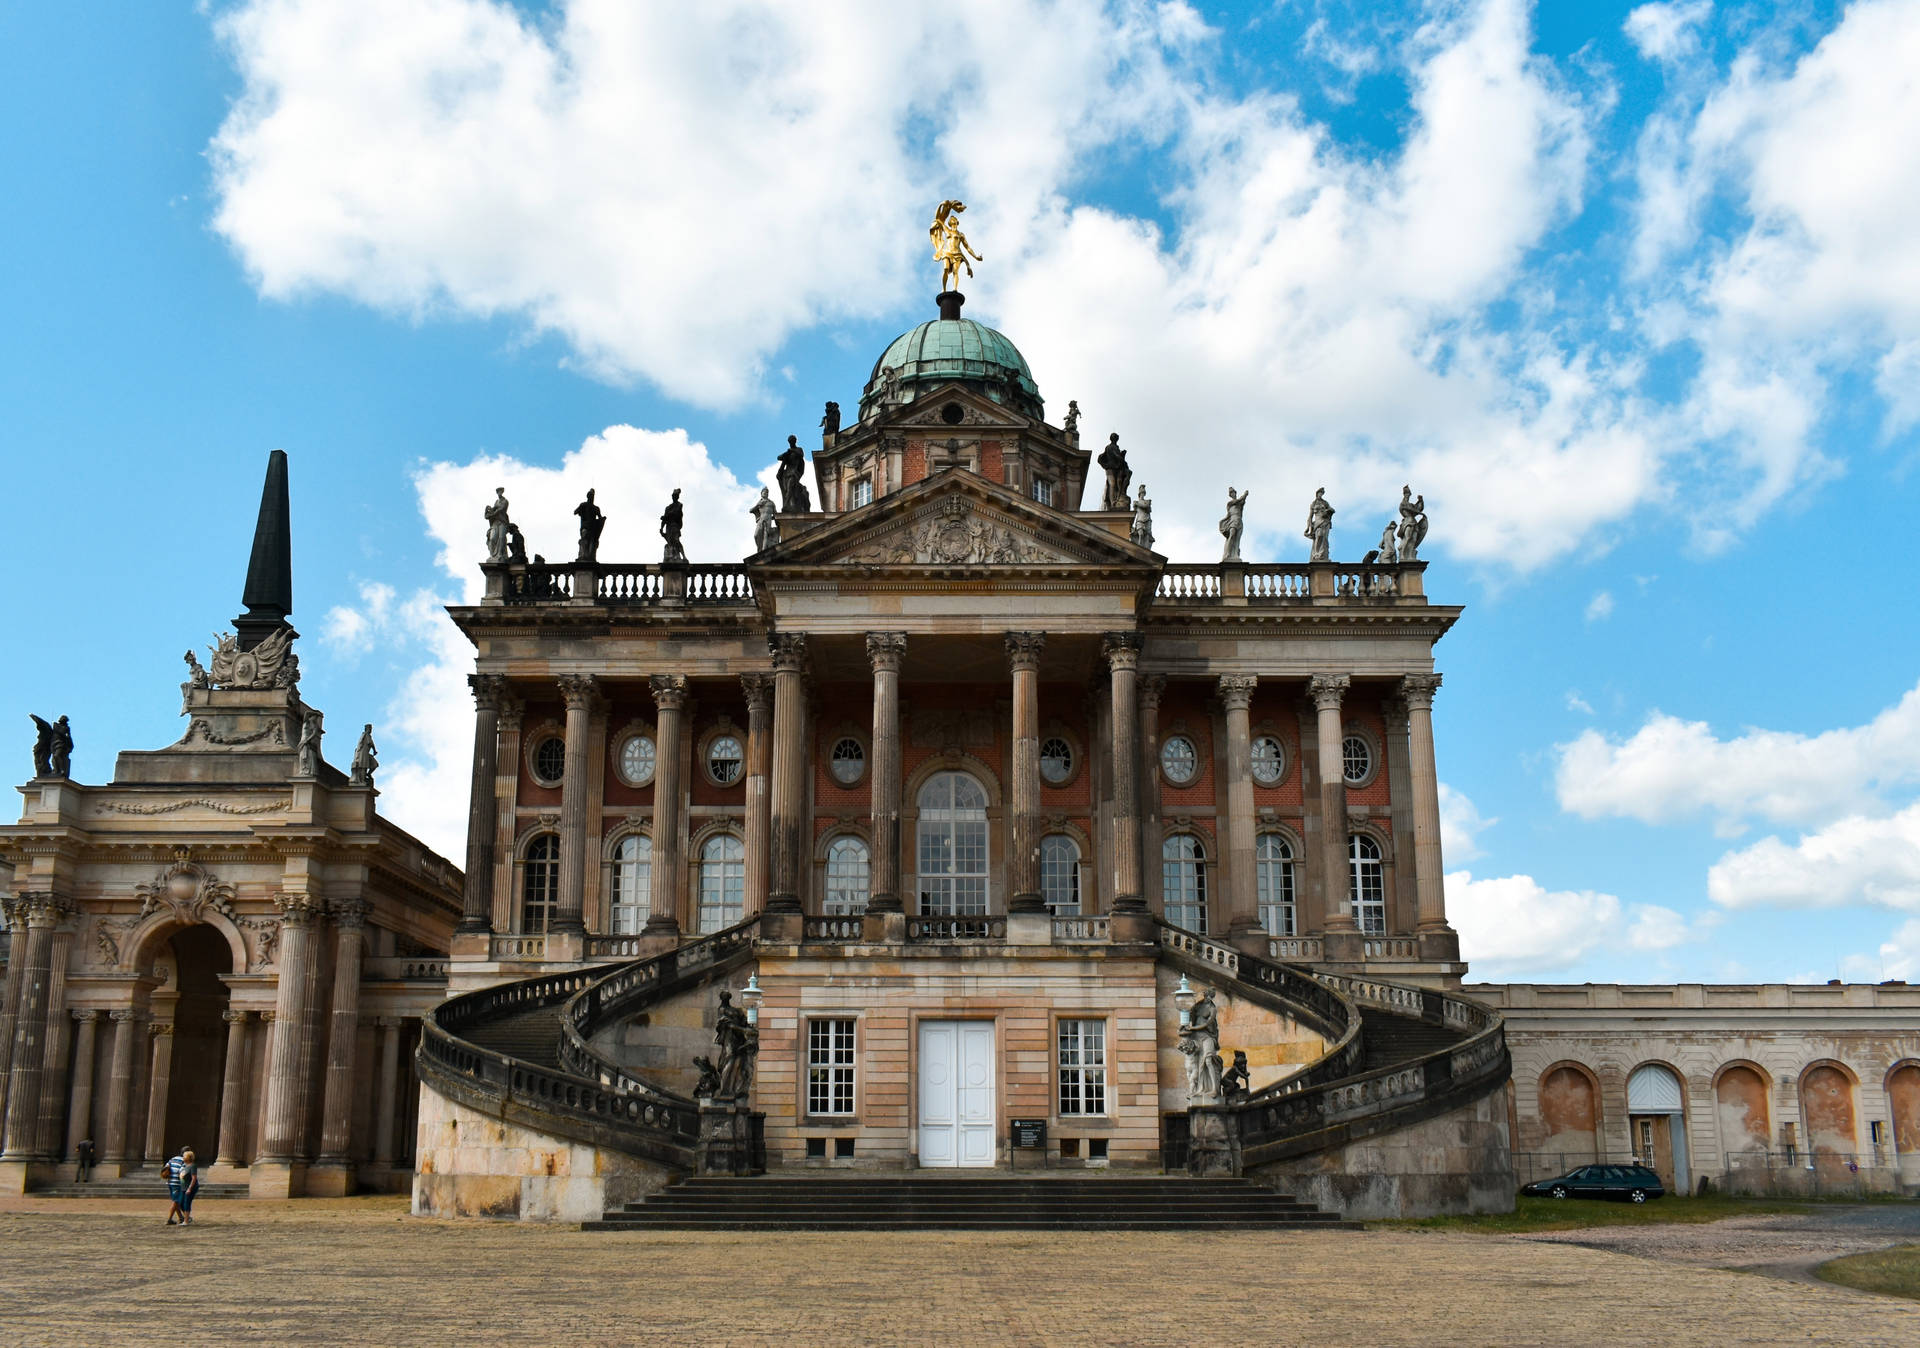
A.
x: 1273, y: 875
x: 1083, y: 1067
x: 632, y: 884
x: 1179, y: 760
x: 540, y: 884
x: 847, y: 761
x: 1060, y: 874
x: 724, y: 759
x: 847, y: 878
x: 952, y: 845
x: 1269, y: 760
x: 1366, y: 886
x: 1357, y: 758
x: 636, y: 760
x: 863, y: 491
x: 723, y: 882
x: 550, y: 759
x: 1183, y: 882
x: 830, y: 1067
x: 1056, y: 760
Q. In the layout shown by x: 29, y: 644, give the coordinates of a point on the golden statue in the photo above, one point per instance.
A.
x: 950, y: 246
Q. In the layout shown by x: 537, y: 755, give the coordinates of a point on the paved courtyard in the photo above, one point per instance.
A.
x: 361, y: 1270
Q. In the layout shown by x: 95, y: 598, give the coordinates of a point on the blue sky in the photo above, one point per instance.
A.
x: 1630, y: 292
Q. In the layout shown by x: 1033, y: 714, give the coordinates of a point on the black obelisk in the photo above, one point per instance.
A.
x: 269, y: 592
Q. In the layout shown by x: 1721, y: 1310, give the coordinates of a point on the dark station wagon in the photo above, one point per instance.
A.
x: 1628, y: 1183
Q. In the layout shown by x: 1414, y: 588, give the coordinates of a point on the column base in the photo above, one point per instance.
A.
x: 884, y: 903
x: 567, y: 947
x: 473, y: 926
x: 330, y: 1179
x: 1132, y: 928
x: 783, y: 926
x: 277, y: 1179
x: 1442, y: 943
x: 1026, y: 903
x: 783, y: 903
x: 16, y: 1175
x: 664, y: 924
x: 221, y: 1172
x: 1029, y: 928
x: 1343, y: 947
x: 470, y: 945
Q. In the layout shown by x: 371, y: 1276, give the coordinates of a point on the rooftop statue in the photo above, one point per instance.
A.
x: 260, y: 667
x: 52, y: 748
x: 592, y: 521
x: 1072, y: 424
x: 1233, y: 523
x: 950, y: 246
x: 364, y: 761
x: 830, y: 421
x: 197, y: 677
x: 1413, y: 524
x: 1142, y: 529
x: 309, y: 747
x: 794, y: 498
x: 1320, y: 527
x: 671, y: 521
x: 497, y: 526
x: 516, y: 544
x: 766, y: 528
x: 1386, y: 557
x: 1119, y: 475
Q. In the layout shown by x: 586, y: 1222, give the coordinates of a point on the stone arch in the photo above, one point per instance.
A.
x: 619, y: 833
x: 1903, y: 1104
x: 959, y: 760
x: 1828, y: 1111
x: 1742, y: 1090
x: 1569, y: 1114
x: 1657, y: 1121
x: 143, y: 943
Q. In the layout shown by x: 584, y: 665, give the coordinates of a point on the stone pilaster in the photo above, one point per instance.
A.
x: 483, y: 804
x: 234, y: 1095
x: 1243, y: 904
x: 789, y: 849
x: 1122, y: 650
x: 885, y: 651
x: 280, y: 1160
x: 86, y: 1038
x: 16, y: 938
x: 113, y: 1148
x: 581, y: 692
x: 1417, y: 691
x: 159, y: 1090
x: 1328, y: 691
x: 53, y: 1072
x: 670, y: 703
x: 506, y: 787
x: 1023, y: 848
x: 759, y: 691
x: 332, y: 1174
x: 1150, y: 686
x: 42, y: 912
x: 387, y: 1099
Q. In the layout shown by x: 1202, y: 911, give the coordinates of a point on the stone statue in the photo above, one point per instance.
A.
x: 288, y: 675
x: 516, y: 545
x: 739, y: 1044
x: 497, y: 526
x: 1119, y: 476
x: 231, y: 667
x: 890, y: 386
x: 592, y: 521
x: 1142, y: 529
x: 309, y: 746
x: 364, y: 761
x: 792, y: 479
x: 1237, y: 1084
x: 1232, y: 523
x: 830, y: 423
x: 1413, y: 524
x: 709, y: 1082
x: 1320, y: 527
x: 950, y: 246
x: 671, y: 521
x: 766, y: 528
x: 1072, y: 424
x: 1200, y: 1045
x: 1385, y: 556
x: 196, y: 678
x: 52, y: 748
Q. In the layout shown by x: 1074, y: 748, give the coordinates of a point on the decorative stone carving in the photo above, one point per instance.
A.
x: 299, y: 909
x: 1417, y: 690
x: 954, y: 535
x: 1071, y: 426
x: 1200, y: 1046
x: 199, y: 802
x: 187, y: 890
x: 202, y: 728
x: 1320, y: 527
x: 794, y: 498
x: 672, y: 520
x: 581, y: 692
x: 830, y: 420
x: 1328, y: 691
x: 52, y: 748
x: 1413, y: 524
x: 593, y: 521
x: 1387, y: 555
x: 1232, y: 523
x: 1119, y: 475
x: 709, y: 1084
x: 261, y: 667
x: 308, y: 749
x: 669, y: 694
x: 885, y: 650
x: 105, y: 945
x: 490, y: 691
x: 1141, y: 531
x: 364, y: 761
x: 766, y: 524
x: 1236, y: 690
x: 1122, y: 649
x: 788, y: 649
x: 351, y: 914
x: 516, y: 545
x: 1023, y: 649
x: 955, y: 728
x: 1236, y: 1085
x: 739, y: 1044
x: 197, y: 677
x: 497, y: 526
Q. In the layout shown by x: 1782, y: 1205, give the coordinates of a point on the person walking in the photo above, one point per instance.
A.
x: 178, y: 1169
x: 189, y: 1186
x: 83, y: 1156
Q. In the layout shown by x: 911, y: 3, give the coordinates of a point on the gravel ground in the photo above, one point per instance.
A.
x: 1784, y: 1244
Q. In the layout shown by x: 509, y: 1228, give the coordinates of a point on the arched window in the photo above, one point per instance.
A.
x: 632, y: 883
x: 847, y: 878
x: 1366, y: 885
x: 1183, y: 882
x: 1273, y: 877
x: 953, y: 845
x: 723, y: 882
x: 539, y: 884
x: 1060, y: 874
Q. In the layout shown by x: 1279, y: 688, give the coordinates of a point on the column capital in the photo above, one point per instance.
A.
x: 123, y: 1015
x: 759, y: 691
x: 160, y: 1029
x: 42, y: 907
x: 351, y: 914
x: 1023, y: 649
x: 884, y: 650
x: 1151, y: 686
x: 1328, y: 691
x: 1236, y: 690
x: 233, y: 1017
x: 268, y: 1016
x: 85, y: 1014
x: 389, y: 1022
x: 512, y: 712
x: 669, y: 691
x: 789, y: 651
x: 1122, y: 649
x: 580, y: 691
x: 490, y: 691
x: 298, y: 909
x: 1417, y: 690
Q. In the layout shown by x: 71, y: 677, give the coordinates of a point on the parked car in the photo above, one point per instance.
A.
x: 1627, y: 1183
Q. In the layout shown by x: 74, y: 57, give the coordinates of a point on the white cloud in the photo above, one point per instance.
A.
x: 350, y: 630
x: 1859, y: 859
x: 1897, y: 957
x: 1673, y: 771
x: 1663, y: 32
x: 1600, y: 607
x: 1577, y: 703
x: 1512, y: 927
x: 1461, y: 824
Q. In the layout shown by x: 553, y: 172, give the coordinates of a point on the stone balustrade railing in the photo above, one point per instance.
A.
x: 506, y: 946
x: 956, y: 929
x: 1295, y: 949
x: 1082, y: 930
x: 542, y: 583
x: 405, y: 968
x: 620, y: 584
x: 832, y: 929
x: 1300, y: 995
x: 613, y: 947
x: 1390, y: 948
x: 1263, y: 583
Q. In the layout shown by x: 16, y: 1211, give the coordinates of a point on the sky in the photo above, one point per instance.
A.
x: 1630, y: 293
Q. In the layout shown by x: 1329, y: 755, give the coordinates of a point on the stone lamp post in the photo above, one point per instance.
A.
x: 1183, y: 997
x: 750, y: 998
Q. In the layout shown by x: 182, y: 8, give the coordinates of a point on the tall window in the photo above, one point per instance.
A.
x: 862, y: 492
x: 1273, y: 878
x: 723, y: 882
x: 953, y: 845
x: 1060, y: 874
x: 1366, y: 884
x: 632, y: 883
x: 847, y: 878
x: 1083, y: 1067
x: 830, y: 1066
x: 1183, y: 882
x: 539, y: 884
x: 1042, y: 489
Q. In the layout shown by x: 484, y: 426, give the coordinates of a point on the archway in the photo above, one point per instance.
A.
x: 1657, y: 1123
x: 1826, y: 1104
x: 1903, y: 1102
x: 200, y: 957
x: 1570, y: 1112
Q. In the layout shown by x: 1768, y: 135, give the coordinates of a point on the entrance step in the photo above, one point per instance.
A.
x: 903, y: 1203
x: 148, y: 1184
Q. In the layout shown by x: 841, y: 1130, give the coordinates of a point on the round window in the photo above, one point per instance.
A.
x: 1056, y: 760
x: 636, y: 760
x: 1269, y: 760
x: 848, y: 760
x: 724, y: 759
x: 1179, y: 760
x: 1357, y: 758
x: 550, y: 759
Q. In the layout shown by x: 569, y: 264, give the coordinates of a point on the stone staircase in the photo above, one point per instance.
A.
x: 923, y: 1202
x: 146, y: 1184
x: 530, y: 1036
x: 1387, y: 1039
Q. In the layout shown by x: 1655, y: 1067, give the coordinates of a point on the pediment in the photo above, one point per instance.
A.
x: 928, y: 411
x: 958, y: 518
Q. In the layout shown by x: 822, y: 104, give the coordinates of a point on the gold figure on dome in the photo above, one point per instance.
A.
x: 950, y: 246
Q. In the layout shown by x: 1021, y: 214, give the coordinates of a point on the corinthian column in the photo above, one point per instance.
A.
x: 16, y: 938
x: 113, y: 1148
x: 581, y: 692
x: 789, y: 651
x: 483, y: 806
x: 233, y: 1092
x: 1417, y: 690
x: 1148, y: 778
x: 159, y: 1084
x: 1122, y: 650
x: 283, y: 1138
x: 670, y: 704
x: 1023, y: 857
x: 334, y: 1168
x: 1328, y: 692
x: 1243, y: 907
x: 43, y: 911
x: 759, y: 691
x: 884, y: 650
x: 80, y: 1107
x: 386, y: 1099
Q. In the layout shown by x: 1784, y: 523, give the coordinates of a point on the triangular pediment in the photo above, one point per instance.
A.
x: 928, y: 411
x: 958, y: 518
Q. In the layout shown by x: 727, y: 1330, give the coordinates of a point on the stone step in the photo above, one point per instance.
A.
x: 155, y: 1189
x: 663, y: 1222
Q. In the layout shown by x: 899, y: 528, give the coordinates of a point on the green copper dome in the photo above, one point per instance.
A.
x: 955, y: 349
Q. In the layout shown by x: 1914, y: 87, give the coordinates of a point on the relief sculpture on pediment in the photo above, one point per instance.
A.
x: 954, y: 536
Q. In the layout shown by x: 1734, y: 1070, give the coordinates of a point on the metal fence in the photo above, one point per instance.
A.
x: 1765, y: 1174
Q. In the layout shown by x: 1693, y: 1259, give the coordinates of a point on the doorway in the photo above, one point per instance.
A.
x: 956, y: 1093
x: 1656, y: 1117
x: 200, y: 956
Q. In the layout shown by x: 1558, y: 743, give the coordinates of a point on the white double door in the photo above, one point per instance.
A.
x: 956, y: 1093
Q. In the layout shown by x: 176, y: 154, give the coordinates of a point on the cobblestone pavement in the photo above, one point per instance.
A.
x: 361, y: 1271
x: 1783, y: 1244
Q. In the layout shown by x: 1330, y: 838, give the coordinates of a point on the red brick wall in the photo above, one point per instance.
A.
x: 1273, y: 714
x: 1184, y: 711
